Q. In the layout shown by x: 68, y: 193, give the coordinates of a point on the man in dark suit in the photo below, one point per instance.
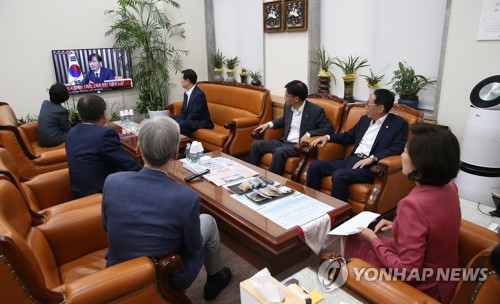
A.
x: 93, y: 150
x: 377, y: 135
x: 194, y: 113
x: 146, y: 213
x: 97, y: 73
x: 301, y: 120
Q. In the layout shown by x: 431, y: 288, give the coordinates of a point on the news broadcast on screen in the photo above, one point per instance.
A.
x: 91, y: 70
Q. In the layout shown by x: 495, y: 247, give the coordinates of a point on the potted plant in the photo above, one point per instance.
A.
x: 407, y: 84
x: 144, y: 29
x: 256, y: 76
x: 231, y: 64
x: 373, y: 80
x: 243, y: 75
x: 324, y: 61
x: 218, y: 61
x: 349, y: 66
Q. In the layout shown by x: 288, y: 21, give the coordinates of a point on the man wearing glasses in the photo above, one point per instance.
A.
x: 377, y: 135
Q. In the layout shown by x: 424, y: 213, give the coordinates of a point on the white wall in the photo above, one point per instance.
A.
x: 237, y: 32
x: 385, y: 32
x: 31, y: 29
x: 467, y: 62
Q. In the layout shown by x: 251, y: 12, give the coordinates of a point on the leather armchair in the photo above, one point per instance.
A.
x: 475, y: 244
x: 62, y: 260
x: 390, y: 183
x: 334, y: 108
x: 22, y: 142
x: 235, y: 109
x: 47, y: 193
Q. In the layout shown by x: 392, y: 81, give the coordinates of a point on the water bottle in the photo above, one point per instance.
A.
x: 122, y: 115
x: 131, y: 114
x: 187, y: 150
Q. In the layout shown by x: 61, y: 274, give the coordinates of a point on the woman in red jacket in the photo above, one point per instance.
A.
x: 424, y: 243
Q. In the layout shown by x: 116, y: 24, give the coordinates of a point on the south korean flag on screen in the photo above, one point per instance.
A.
x: 75, y: 75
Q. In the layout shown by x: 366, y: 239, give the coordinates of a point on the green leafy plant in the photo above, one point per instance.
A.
x: 28, y: 118
x: 73, y: 115
x: 324, y: 61
x: 373, y: 79
x: 351, y: 64
x: 232, y: 63
x: 255, y: 75
x: 407, y: 84
x: 218, y: 60
x: 145, y: 31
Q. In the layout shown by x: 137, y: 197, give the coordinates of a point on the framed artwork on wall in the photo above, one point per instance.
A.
x: 295, y: 15
x: 273, y: 17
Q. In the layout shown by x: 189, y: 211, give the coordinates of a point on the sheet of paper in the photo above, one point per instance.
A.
x: 222, y: 170
x: 294, y: 210
x: 363, y: 219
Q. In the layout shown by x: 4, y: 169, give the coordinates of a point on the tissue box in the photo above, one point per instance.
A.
x: 249, y: 295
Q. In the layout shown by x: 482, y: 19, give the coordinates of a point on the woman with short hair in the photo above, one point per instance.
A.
x: 53, y: 120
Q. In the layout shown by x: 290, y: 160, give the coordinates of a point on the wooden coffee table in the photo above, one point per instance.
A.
x: 130, y: 142
x: 258, y: 240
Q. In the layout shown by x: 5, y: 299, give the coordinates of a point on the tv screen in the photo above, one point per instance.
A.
x: 90, y: 70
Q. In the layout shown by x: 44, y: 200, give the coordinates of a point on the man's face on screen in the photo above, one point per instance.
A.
x: 94, y: 64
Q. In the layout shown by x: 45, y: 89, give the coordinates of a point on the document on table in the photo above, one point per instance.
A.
x: 222, y: 170
x: 363, y: 219
x: 293, y: 210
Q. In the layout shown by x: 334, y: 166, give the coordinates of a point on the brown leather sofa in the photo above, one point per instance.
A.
x: 475, y: 244
x: 62, y: 260
x: 47, y: 193
x: 334, y: 108
x: 235, y: 109
x: 22, y: 142
x: 390, y: 184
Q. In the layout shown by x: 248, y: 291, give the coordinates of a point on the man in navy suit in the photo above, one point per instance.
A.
x: 301, y: 120
x: 147, y: 213
x: 377, y: 135
x: 97, y: 73
x: 93, y: 150
x: 194, y: 113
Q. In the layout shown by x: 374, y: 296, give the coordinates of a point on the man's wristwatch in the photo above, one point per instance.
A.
x: 374, y: 158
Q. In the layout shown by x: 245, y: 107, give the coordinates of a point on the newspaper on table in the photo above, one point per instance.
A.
x: 222, y: 170
x: 128, y: 126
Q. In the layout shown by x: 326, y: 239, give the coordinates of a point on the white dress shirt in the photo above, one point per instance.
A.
x: 188, y: 93
x: 366, y: 144
x: 294, y: 134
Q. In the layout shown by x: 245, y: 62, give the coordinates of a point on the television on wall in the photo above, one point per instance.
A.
x: 91, y: 70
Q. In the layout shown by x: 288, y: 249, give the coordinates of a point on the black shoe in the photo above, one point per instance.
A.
x: 216, y: 283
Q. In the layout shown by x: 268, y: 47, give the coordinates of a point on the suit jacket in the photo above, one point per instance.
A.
x: 104, y: 74
x: 94, y: 152
x: 148, y: 214
x: 53, y: 124
x: 390, y: 140
x: 313, y: 121
x: 425, y: 235
x: 196, y: 111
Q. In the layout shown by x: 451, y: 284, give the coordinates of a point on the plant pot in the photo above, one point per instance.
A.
x: 256, y: 83
x: 410, y: 102
x: 324, y: 85
x: 230, y: 76
x: 163, y: 113
x: 349, y: 87
x: 243, y: 79
x: 218, y: 75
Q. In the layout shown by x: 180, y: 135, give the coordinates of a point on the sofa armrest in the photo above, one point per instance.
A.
x: 174, y: 107
x: 112, y: 283
x: 30, y: 129
x: 387, y: 165
x: 51, y: 188
x: 51, y: 157
x: 268, y: 134
x: 75, y: 233
x: 386, y: 290
x: 243, y: 122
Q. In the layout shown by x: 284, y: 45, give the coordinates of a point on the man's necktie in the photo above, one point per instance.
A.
x: 96, y: 76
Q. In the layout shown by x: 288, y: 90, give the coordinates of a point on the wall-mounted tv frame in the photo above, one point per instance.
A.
x: 72, y: 65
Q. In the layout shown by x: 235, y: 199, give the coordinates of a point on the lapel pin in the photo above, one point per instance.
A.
x: 387, y: 127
